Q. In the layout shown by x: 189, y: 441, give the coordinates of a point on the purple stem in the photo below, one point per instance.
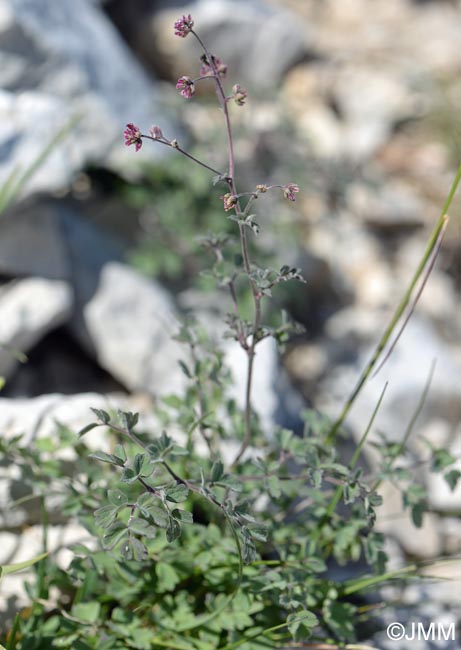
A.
x: 245, y: 254
x: 184, y: 153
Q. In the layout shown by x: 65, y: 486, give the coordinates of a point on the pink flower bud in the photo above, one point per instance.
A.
x: 240, y: 94
x: 156, y: 133
x: 289, y: 191
x: 229, y: 201
x: 186, y: 87
x: 206, y: 69
x: 183, y: 26
x: 132, y: 135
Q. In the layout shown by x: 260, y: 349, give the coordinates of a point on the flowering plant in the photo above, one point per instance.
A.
x: 223, y: 538
x: 281, y: 591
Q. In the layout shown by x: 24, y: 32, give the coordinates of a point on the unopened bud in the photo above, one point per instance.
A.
x: 156, y: 132
x: 240, y: 94
x: 229, y: 201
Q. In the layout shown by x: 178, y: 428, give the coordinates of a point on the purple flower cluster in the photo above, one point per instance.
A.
x: 239, y: 94
x: 206, y: 70
x: 211, y: 66
x: 230, y: 200
x: 132, y: 135
x: 155, y: 132
x: 289, y: 191
x: 186, y: 87
x: 183, y: 26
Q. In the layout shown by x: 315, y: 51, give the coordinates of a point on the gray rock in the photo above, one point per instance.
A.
x: 270, y: 40
x: 53, y: 241
x: 371, y: 102
x: 30, y: 308
x: 31, y: 243
x: 130, y: 321
x: 61, y: 60
x: 19, y: 548
x: 389, y: 209
x: 36, y: 417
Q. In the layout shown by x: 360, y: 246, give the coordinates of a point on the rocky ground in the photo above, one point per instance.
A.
x: 365, y: 119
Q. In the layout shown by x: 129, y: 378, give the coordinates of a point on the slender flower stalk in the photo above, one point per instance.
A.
x: 257, y: 296
x: 175, y: 145
x: 206, y: 68
x: 213, y: 67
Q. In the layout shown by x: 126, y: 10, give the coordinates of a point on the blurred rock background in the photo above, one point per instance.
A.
x: 356, y: 101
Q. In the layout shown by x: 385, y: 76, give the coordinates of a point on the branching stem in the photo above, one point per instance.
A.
x: 174, y: 145
x: 245, y: 253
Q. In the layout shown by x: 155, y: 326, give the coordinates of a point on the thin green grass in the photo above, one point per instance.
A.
x: 432, y: 246
x: 18, y: 179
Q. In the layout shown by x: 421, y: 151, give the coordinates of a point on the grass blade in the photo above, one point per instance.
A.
x: 412, y: 307
x: 411, y: 424
x: 339, y: 490
x: 430, y: 248
x: 17, y: 180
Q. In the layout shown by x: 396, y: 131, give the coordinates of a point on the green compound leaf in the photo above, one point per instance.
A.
x: 129, y: 475
x: 113, y: 535
x: 217, y: 471
x: 107, y: 458
x: 117, y: 497
x: 128, y: 420
x: 148, y: 505
x: 142, y: 527
x: 102, y: 416
x: 258, y: 532
x: 106, y: 515
x: 173, y: 530
x: 119, y: 451
x: 87, y: 612
x: 301, y: 624
x: 177, y: 493
x: 88, y: 427
x: 452, y: 478
x: 134, y: 549
x: 167, y: 578
x: 184, y: 516
x: 230, y: 482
